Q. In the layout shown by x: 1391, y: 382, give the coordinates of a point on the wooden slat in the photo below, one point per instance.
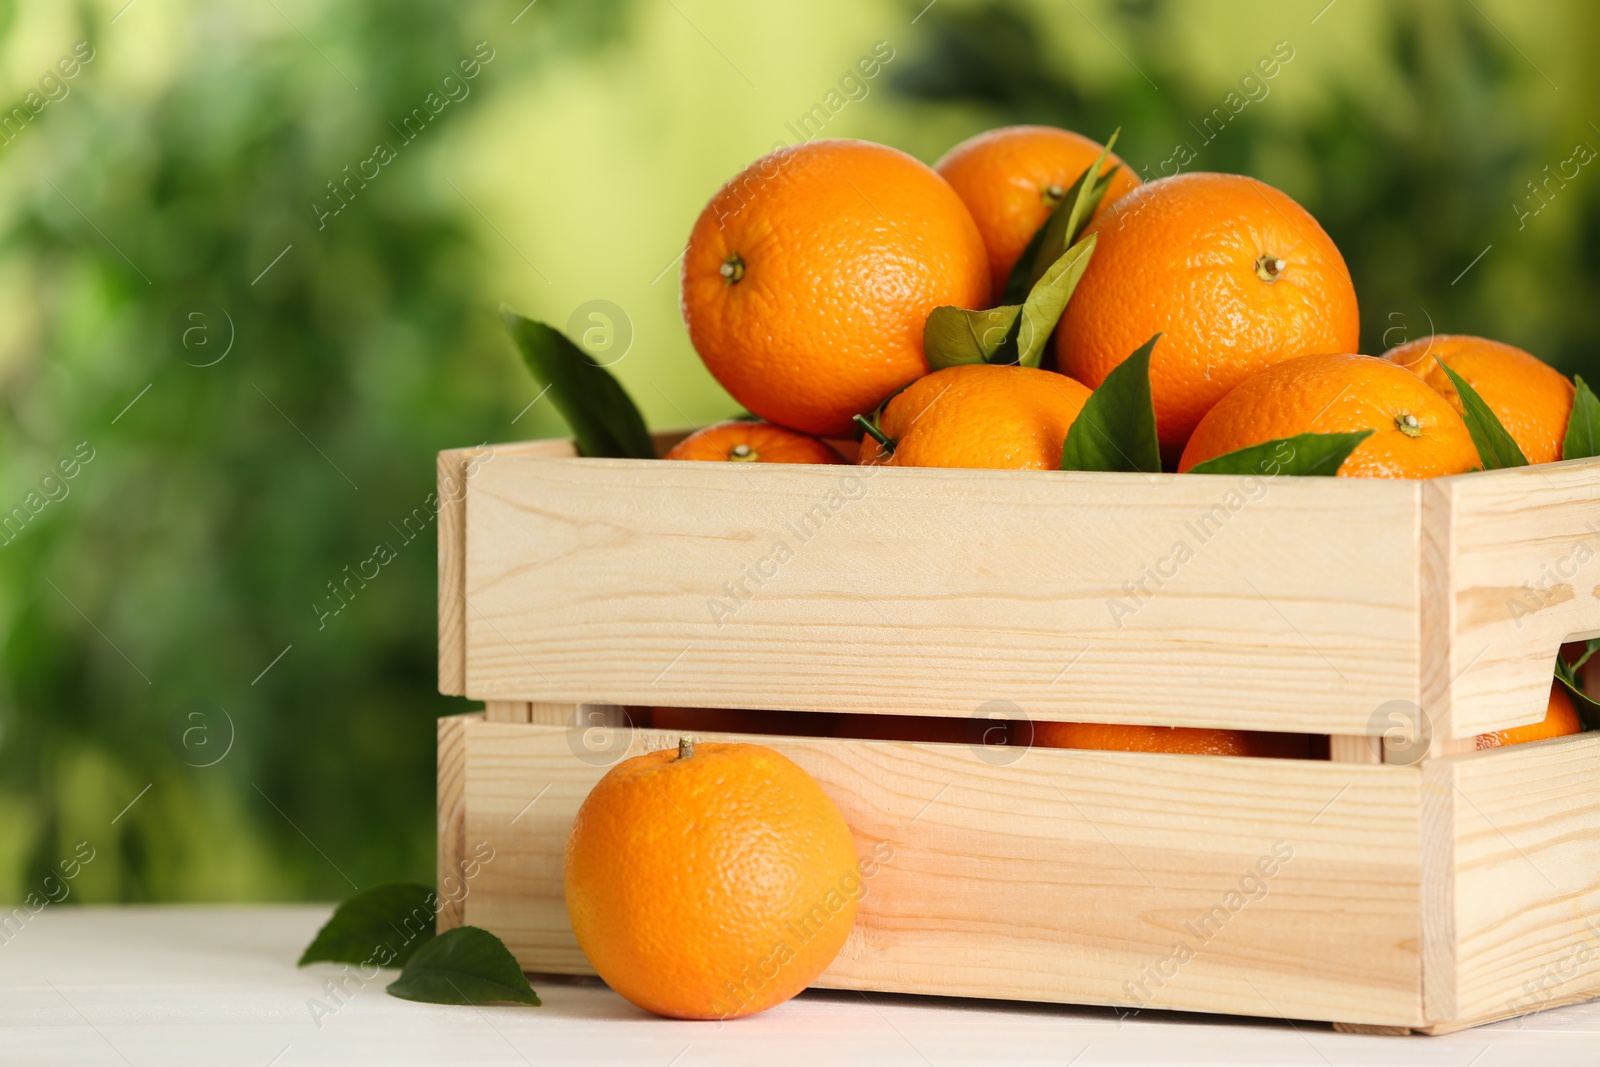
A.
x: 1524, y: 567
x: 452, y: 816
x: 1066, y: 876
x: 1293, y: 607
x: 508, y: 711
x: 455, y: 468
x: 452, y: 533
x: 1524, y: 916
x: 1344, y: 748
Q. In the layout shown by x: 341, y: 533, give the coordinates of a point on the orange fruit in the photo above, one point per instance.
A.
x: 710, y: 881
x: 1416, y: 433
x: 1190, y: 739
x: 1013, y: 177
x: 742, y: 441
x: 808, y: 278
x: 1532, y: 399
x: 1560, y: 719
x: 979, y: 415
x: 1235, y: 275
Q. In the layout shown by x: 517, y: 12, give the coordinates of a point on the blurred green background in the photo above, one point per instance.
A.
x: 262, y: 383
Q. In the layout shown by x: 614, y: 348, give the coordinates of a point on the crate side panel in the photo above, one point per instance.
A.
x: 1525, y: 576
x: 1527, y: 877
x: 1200, y: 601
x: 1198, y: 883
x: 454, y: 469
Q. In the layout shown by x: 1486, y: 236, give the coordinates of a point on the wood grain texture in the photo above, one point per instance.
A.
x: 1065, y: 876
x: 1345, y: 748
x: 455, y: 470
x: 1526, y: 878
x: 1372, y: 1031
x: 452, y: 534
x: 452, y: 815
x: 1280, y: 605
x: 1524, y: 576
x: 508, y: 711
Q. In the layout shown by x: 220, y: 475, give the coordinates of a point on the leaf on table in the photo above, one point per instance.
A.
x: 464, y: 965
x: 1303, y: 455
x: 603, y: 418
x: 1116, y: 430
x: 1583, y: 428
x: 385, y: 925
x: 1496, y: 449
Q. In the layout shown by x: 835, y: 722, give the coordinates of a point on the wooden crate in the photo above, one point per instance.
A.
x: 1440, y: 889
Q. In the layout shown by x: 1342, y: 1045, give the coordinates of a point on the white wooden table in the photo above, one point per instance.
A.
x: 174, y: 986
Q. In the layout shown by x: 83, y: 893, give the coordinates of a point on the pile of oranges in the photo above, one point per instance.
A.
x: 810, y: 277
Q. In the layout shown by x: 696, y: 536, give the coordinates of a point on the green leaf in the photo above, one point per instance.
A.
x: 1014, y: 333
x: 1062, y: 228
x: 1496, y: 449
x: 953, y: 336
x: 1585, y: 705
x: 1116, y: 431
x: 1583, y: 428
x: 465, y: 965
x: 1048, y: 299
x: 384, y: 925
x: 603, y: 418
x: 1589, y: 648
x: 1305, y: 454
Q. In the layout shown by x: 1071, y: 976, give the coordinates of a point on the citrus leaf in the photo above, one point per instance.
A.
x: 1583, y: 428
x: 1589, y: 648
x: 1496, y: 449
x: 385, y: 925
x: 1586, y: 706
x: 465, y: 965
x: 603, y: 418
x: 1062, y: 228
x: 1303, y: 455
x: 1048, y: 299
x: 953, y: 336
x: 1116, y: 430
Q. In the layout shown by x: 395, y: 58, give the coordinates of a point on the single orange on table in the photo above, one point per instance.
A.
x: 1203, y: 741
x: 1013, y: 177
x: 809, y: 276
x: 1232, y: 273
x: 1560, y: 719
x: 710, y: 881
x: 744, y: 441
x: 978, y: 415
x: 1532, y: 399
x: 1416, y: 433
